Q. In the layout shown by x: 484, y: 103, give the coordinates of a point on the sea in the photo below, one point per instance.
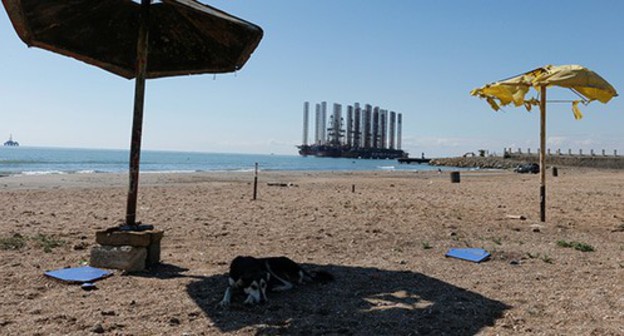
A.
x: 43, y: 160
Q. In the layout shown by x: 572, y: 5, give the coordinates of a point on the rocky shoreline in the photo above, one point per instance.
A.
x: 498, y: 162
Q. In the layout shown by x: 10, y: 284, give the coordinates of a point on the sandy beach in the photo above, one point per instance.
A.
x: 383, y: 235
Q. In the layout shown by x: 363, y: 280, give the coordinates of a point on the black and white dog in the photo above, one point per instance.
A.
x: 257, y: 275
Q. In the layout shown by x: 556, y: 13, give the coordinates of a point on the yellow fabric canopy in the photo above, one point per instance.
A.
x: 583, y: 81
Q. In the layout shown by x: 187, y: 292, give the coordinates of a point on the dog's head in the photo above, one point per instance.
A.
x: 254, y: 285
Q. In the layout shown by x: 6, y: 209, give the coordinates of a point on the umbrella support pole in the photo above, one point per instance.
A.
x: 542, y: 155
x: 137, y: 123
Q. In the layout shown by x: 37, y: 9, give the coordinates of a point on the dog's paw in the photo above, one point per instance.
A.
x: 223, y: 304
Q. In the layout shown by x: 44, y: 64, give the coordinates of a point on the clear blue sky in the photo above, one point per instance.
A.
x: 419, y: 58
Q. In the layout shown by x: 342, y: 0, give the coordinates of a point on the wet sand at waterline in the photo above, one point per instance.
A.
x: 383, y: 235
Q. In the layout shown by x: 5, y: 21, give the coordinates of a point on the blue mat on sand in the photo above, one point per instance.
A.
x: 470, y: 254
x: 78, y: 274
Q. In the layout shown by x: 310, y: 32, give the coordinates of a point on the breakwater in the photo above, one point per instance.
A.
x: 512, y: 161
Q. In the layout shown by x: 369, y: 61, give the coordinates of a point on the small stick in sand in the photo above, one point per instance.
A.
x: 255, y: 186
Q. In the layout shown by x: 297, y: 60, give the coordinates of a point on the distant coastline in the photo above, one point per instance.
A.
x: 499, y: 162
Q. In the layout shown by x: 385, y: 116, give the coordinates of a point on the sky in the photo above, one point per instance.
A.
x: 420, y: 58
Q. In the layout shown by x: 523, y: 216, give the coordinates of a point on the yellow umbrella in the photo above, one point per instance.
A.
x: 588, y: 85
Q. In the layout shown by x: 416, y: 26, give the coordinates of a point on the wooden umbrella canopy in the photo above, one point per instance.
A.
x: 585, y: 83
x: 132, y: 40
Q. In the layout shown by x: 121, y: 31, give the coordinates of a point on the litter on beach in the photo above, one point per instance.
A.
x: 280, y: 184
x: 471, y: 254
x: 88, y: 286
x: 85, y: 274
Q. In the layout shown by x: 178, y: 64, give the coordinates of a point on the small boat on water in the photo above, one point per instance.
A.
x: 10, y: 142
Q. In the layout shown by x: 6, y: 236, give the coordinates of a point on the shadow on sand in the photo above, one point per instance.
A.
x: 361, y: 301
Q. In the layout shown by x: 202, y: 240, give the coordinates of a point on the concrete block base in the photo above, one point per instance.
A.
x: 126, y: 246
x: 127, y: 258
x: 115, y: 237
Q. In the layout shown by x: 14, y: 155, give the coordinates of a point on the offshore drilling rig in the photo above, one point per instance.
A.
x: 368, y: 133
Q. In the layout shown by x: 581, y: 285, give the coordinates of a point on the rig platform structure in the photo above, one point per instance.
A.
x: 11, y: 142
x: 367, y: 133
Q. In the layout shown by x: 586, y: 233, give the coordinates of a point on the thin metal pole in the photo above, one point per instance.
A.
x: 137, y: 123
x: 542, y: 156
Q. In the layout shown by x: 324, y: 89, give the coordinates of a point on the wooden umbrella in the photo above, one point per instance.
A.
x: 146, y: 40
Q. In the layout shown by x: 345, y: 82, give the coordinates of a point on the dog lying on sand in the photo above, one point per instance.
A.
x: 256, y: 276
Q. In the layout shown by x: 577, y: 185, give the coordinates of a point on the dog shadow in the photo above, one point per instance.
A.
x: 360, y: 301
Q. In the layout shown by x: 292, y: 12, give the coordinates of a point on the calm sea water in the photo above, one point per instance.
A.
x: 35, y: 160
